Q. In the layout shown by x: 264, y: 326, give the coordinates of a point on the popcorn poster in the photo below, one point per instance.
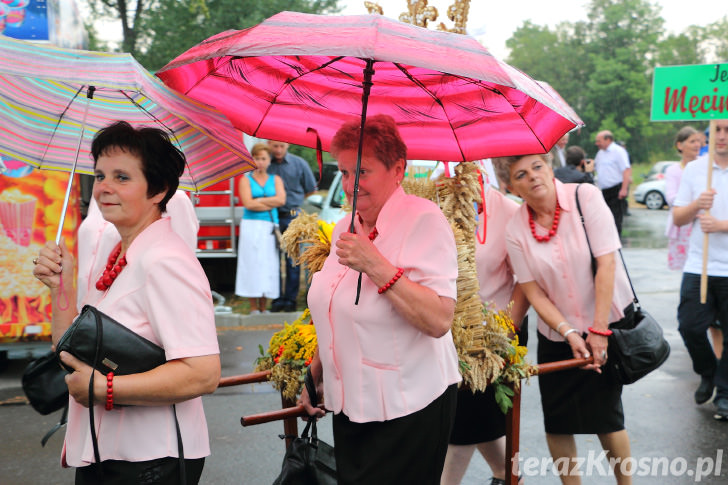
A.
x: 30, y: 210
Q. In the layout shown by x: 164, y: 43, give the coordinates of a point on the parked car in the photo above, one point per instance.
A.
x: 651, y: 193
x: 657, y: 172
x: 330, y: 206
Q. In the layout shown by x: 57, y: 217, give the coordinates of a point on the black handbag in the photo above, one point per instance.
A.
x: 120, y: 350
x: 637, y: 345
x: 308, y: 460
x: 44, y: 384
x: 108, y: 346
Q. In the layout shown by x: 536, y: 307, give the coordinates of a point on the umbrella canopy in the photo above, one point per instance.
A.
x: 451, y: 99
x: 46, y: 116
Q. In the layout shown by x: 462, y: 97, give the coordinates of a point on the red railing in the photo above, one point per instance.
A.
x: 290, y: 412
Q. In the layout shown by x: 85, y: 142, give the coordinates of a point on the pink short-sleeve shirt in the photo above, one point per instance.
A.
x: 562, y: 266
x: 163, y: 295
x: 495, y: 275
x: 376, y: 366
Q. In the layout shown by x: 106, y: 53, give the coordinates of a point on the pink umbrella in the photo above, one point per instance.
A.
x: 452, y: 100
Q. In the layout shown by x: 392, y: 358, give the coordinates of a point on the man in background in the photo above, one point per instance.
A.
x: 299, y: 182
x: 614, y: 174
x: 690, y: 206
x: 578, y: 168
x: 558, y: 152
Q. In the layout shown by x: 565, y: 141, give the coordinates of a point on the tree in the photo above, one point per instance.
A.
x: 176, y: 25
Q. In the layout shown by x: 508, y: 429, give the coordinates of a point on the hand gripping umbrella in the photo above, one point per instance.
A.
x: 53, y: 100
x: 451, y: 99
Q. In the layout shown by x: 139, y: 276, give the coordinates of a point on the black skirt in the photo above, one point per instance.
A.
x: 410, y: 449
x: 577, y: 401
x: 478, y: 418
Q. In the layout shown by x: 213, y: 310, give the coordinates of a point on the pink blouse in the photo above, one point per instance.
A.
x: 163, y: 295
x: 562, y: 266
x: 495, y: 275
x: 376, y: 366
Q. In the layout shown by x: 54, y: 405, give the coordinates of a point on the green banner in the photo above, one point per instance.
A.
x: 682, y: 93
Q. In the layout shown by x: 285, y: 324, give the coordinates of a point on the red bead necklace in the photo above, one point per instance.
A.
x: 113, y: 268
x: 554, y: 225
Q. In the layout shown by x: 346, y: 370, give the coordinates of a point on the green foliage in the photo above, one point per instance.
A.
x: 173, y: 26
x: 603, y: 68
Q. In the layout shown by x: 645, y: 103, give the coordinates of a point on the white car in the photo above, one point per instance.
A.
x: 331, y: 205
x: 651, y: 194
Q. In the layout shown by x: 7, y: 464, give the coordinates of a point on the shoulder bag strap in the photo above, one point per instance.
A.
x: 593, y: 260
x: 94, y: 439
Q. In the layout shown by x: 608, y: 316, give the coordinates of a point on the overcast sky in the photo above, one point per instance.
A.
x: 493, y: 22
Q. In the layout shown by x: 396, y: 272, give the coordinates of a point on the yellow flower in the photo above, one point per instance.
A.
x: 325, y: 230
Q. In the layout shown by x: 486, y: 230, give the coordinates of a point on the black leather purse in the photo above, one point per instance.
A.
x: 108, y: 346
x: 637, y: 345
x: 103, y: 343
x: 308, y: 460
x: 44, y: 384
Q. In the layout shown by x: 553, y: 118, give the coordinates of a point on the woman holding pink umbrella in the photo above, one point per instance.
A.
x: 386, y: 366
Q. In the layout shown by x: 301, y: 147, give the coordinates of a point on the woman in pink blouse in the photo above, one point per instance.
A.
x: 387, y: 366
x: 687, y: 143
x: 153, y: 270
x: 548, y: 249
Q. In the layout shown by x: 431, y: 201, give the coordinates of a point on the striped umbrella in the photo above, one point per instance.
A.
x: 53, y: 101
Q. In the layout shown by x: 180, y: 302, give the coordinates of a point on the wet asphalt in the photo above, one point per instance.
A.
x: 673, y: 440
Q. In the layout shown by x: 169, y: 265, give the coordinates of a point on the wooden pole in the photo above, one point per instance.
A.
x: 513, y: 418
x: 244, y: 379
x: 706, y: 236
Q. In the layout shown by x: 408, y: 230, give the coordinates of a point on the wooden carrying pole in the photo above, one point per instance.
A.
x: 513, y: 419
x: 706, y: 236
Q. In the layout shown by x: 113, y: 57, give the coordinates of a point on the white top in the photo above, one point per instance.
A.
x: 693, y: 183
x: 610, y: 164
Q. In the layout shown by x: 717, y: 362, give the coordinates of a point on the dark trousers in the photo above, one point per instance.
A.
x: 162, y: 471
x: 694, y: 319
x: 289, y: 288
x: 615, y: 204
x: 410, y: 449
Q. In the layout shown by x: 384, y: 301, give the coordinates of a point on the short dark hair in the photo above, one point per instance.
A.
x: 162, y: 162
x: 381, y: 137
x: 575, y: 155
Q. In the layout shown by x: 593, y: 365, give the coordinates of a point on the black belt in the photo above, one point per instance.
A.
x: 289, y: 213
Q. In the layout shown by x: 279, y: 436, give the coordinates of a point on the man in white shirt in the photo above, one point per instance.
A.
x: 694, y: 318
x: 558, y: 152
x: 614, y: 174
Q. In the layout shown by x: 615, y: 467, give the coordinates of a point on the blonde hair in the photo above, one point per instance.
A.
x: 260, y: 147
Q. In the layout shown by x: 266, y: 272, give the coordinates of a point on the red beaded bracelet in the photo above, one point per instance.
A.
x: 109, y: 391
x: 394, y: 279
x: 603, y: 333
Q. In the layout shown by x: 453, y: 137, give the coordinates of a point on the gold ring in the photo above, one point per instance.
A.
x: 35, y: 260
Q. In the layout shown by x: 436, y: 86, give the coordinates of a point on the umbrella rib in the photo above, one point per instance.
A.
x: 288, y: 82
x: 60, y: 118
x: 419, y: 84
x: 160, y: 122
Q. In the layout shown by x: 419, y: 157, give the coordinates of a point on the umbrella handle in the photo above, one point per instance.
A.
x: 366, y: 87
x: 89, y: 96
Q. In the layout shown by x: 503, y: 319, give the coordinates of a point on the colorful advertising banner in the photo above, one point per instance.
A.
x: 24, y: 19
x: 685, y: 93
x: 30, y: 210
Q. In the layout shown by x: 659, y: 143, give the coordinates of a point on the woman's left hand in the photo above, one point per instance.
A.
x: 78, y: 380
x: 356, y: 251
x: 598, y: 346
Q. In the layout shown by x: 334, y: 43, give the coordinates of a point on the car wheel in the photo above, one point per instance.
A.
x: 654, y: 200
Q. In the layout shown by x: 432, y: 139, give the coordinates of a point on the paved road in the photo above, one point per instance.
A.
x: 661, y: 417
